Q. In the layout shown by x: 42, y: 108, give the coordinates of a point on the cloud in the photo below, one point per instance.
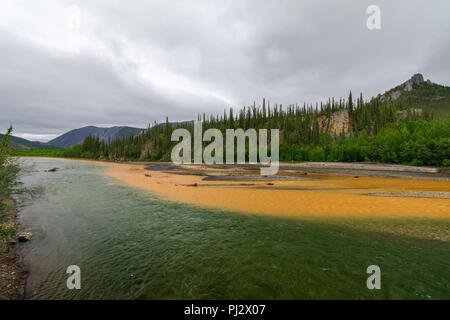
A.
x: 132, y: 65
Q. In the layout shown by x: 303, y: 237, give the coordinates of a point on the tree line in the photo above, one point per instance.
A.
x: 376, y: 130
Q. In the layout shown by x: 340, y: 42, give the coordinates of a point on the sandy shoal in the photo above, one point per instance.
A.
x: 344, y: 196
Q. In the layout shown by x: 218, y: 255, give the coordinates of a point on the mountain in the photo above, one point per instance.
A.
x: 76, y: 136
x: 418, y: 95
x: 20, y: 143
x: 413, y: 96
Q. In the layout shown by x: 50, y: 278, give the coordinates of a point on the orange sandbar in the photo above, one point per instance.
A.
x: 332, y: 196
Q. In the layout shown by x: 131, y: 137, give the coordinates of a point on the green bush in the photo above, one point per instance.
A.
x: 8, y: 173
x: 410, y: 142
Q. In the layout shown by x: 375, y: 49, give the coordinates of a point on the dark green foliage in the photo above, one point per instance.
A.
x: 8, y: 172
x: 408, y: 142
x: 73, y: 152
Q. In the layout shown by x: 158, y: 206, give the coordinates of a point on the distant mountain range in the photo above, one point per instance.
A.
x: 21, y: 143
x: 75, y: 136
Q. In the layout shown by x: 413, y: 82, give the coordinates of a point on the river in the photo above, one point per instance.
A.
x: 130, y: 244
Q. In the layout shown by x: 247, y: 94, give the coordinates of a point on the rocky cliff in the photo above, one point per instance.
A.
x: 337, y: 123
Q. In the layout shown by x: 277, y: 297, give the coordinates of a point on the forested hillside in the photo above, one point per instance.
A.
x: 408, y: 124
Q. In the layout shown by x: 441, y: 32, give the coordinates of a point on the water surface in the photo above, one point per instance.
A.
x: 130, y: 244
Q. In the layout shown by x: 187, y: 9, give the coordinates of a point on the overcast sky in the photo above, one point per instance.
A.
x: 134, y: 62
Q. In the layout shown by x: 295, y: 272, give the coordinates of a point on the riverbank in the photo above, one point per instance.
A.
x: 12, y: 274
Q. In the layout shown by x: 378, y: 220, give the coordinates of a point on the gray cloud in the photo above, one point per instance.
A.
x: 135, y: 64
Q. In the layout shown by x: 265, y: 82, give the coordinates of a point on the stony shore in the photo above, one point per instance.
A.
x: 12, y: 273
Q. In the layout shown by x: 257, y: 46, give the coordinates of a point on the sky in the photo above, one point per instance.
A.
x: 69, y: 64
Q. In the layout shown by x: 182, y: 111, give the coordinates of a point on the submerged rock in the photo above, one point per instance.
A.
x: 24, y: 236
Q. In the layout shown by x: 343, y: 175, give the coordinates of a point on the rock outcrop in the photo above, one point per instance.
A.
x: 415, y: 79
x: 406, y: 86
x: 404, y: 113
x: 147, y: 150
x: 336, y: 124
x: 395, y: 95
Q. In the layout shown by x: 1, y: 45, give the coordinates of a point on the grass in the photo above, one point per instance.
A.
x: 7, y: 232
x: 38, y: 153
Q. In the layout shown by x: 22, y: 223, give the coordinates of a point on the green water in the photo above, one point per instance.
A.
x: 131, y: 245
